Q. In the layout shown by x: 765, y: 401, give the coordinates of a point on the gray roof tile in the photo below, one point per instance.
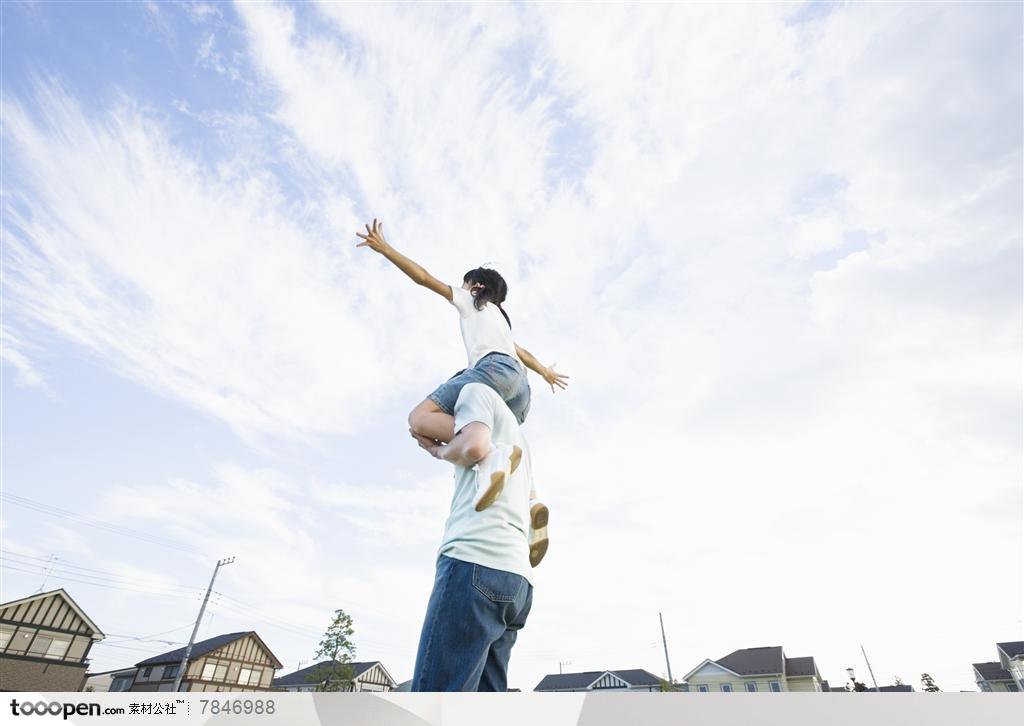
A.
x: 299, y: 677
x: 992, y: 671
x: 566, y: 681
x: 202, y: 648
x: 1013, y: 648
x: 755, y: 661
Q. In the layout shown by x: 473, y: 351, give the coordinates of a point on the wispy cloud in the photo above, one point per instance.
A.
x: 12, y: 352
x: 780, y: 255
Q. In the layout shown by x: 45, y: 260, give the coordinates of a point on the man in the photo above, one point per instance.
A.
x: 482, y: 589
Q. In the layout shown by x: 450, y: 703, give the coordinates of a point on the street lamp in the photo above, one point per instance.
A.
x: 849, y: 672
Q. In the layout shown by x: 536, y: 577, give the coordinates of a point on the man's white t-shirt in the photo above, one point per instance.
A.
x: 498, y: 536
x: 483, y: 331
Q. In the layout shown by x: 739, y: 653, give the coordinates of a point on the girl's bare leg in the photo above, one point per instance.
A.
x: 427, y: 419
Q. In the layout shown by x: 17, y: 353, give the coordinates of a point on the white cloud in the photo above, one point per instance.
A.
x: 11, y: 352
x: 202, y: 284
x: 781, y: 262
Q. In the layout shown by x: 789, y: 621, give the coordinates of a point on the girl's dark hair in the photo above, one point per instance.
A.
x: 492, y: 289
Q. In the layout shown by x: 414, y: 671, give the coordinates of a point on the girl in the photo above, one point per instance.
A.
x: 494, y: 359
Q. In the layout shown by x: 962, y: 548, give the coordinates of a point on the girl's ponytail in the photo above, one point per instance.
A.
x: 487, y: 286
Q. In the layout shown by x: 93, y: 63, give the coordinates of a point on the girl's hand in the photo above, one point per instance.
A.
x: 555, y: 378
x: 374, y: 238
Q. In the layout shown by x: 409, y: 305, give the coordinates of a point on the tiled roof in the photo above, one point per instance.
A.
x: 803, y: 666
x: 755, y: 661
x: 992, y: 671
x: 638, y: 677
x: 202, y: 648
x: 298, y: 678
x: 1012, y: 649
x: 568, y: 681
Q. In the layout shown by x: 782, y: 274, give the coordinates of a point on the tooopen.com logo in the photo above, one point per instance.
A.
x: 56, y: 708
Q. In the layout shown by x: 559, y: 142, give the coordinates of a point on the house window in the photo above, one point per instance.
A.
x: 40, y: 645
x: 49, y: 646
x: 215, y: 671
x: 985, y: 686
x: 1011, y: 687
x: 171, y: 671
x: 58, y: 647
x: 6, y: 633
x: 145, y: 673
x: 703, y: 688
x: 750, y: 687
x: 775, y: 686
x: 21, y: 640
x: 257, y: 674
x: 726, y: 688
x: 243, y: 675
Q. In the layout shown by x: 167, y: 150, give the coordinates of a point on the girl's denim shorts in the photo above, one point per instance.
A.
x: 502, y: 372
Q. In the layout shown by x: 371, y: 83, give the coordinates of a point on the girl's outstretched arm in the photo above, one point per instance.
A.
x: 548, y: 373
x: 374, y: 239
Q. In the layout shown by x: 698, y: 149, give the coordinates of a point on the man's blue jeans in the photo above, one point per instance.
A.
x: 473, y: 617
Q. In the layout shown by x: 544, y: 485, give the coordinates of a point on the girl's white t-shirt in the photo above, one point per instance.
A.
x: 483, y: 331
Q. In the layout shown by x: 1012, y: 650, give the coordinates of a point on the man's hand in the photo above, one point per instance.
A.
x: 374, y: 238
x: 429, y: 445
x: 555, y: 378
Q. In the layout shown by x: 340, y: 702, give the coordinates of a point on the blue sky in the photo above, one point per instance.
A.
x: 778, y: 248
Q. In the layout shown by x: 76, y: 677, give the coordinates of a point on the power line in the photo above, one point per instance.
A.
x: 129, y: 638
x: 102, y: 574
x: 128, y: 647
x: 92, y: 522
x: 178, y: 595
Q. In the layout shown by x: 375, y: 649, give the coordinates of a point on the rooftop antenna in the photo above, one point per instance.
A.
x: 51, y: 560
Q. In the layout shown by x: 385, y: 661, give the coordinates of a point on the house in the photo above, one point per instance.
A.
x: 636, y: 679
x: 1006, y: 674
x: 367, y: 676
x: 116, y: 680
x: 992, y: 677
x: 44, y: 643
x: 229, y: 662
x: 755, y: 670
x: 1011, y: 657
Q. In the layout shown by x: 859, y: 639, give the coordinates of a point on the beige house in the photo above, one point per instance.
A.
x: 755, y: 670
x: 44, y: 643
x: 366, y: 676
x: 230, y: 662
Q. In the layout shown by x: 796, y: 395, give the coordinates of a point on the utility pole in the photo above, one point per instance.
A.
x: 188, y: 649
x: 665, y: 643
x: 869, y: 669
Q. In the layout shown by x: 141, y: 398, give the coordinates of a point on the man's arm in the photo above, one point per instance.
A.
x: 471, y: 444
x: 374, y: 239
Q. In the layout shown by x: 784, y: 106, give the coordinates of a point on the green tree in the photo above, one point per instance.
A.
x: 337, y: 647
x: 928, y: 684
